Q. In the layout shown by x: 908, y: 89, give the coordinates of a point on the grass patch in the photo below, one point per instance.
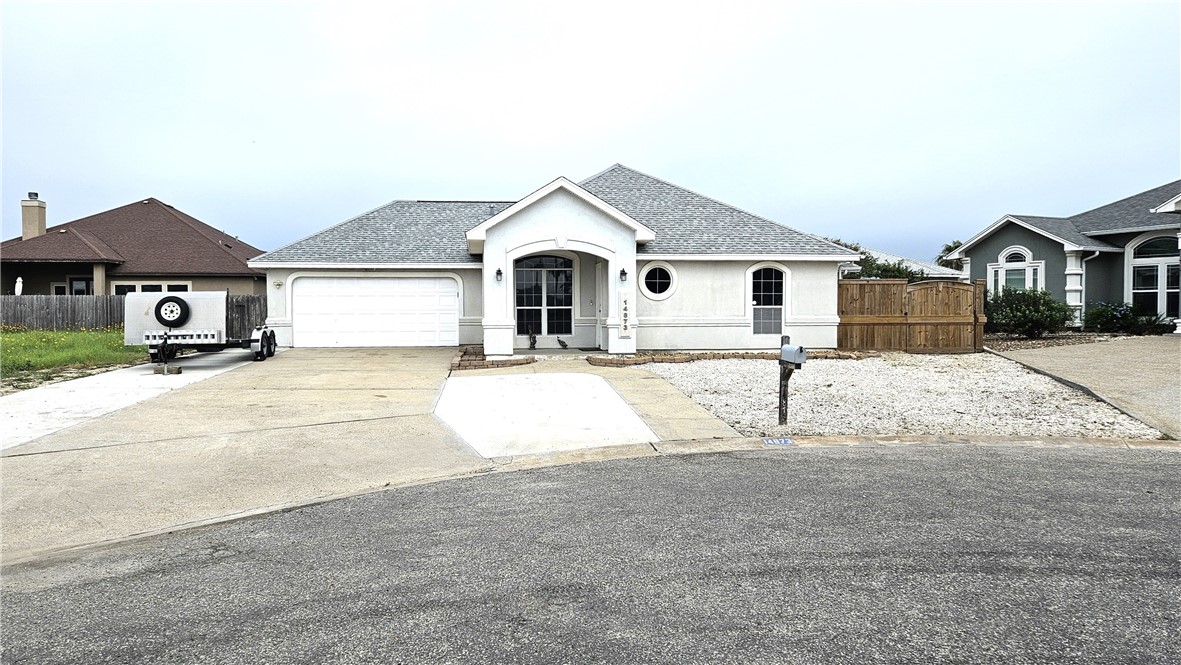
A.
x: 34, y: 350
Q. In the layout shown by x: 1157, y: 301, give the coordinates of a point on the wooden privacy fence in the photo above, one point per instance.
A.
x: 924, y: 317
x: 89, y: 312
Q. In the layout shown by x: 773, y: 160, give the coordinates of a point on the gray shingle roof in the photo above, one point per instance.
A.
x: 398, y: 232
x: 686, y: 222
x: 1063, y: 228
x: 434, y: 231
x: 932, y: 269
x: 1131, y: 213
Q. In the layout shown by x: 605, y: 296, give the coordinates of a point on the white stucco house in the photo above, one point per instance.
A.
x: 618, y: 262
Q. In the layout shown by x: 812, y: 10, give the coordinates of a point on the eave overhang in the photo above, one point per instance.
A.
x: 1172, y: 205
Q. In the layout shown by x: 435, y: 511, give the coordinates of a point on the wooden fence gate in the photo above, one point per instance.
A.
x: 924, y: 317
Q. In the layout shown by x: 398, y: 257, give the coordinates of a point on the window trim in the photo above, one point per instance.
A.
x: 1161, y: 263
x: 139, y: 285
x: 1035, y: 271
x: 544, y: 308
x: 673, y: 280
x: 750, y: 307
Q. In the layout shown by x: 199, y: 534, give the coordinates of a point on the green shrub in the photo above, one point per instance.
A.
x: 1028, y: 313
x: 1108, y: 317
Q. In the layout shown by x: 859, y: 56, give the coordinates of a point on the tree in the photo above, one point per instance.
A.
x: 954, y: 264
x: 871, y: 268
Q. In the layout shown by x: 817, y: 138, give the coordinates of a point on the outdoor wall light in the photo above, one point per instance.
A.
x: 622, y: 274
x: 278, y: 284
x: 499, y: 274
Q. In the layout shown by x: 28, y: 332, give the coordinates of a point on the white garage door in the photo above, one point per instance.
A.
x: 375, y: 311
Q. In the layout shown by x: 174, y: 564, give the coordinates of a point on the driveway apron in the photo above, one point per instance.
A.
x: 306, y: 425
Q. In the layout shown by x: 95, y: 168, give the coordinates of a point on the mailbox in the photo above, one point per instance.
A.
x: 790, y: 353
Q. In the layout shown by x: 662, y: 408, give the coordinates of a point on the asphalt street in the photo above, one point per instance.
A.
x: 970, y: 554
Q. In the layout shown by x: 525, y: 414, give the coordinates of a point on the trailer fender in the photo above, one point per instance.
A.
x: 259, y: 341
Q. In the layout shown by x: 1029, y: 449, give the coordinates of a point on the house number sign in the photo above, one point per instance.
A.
x: 625, y: 314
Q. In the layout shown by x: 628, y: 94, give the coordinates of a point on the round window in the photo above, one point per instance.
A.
x: 658, y: 280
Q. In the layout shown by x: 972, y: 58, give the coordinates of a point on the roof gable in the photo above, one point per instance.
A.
x: 476, y: 236
x: 148, y: 237
x: 1138, y: 212
x: 1058, y: 229
x: 1172, y: 205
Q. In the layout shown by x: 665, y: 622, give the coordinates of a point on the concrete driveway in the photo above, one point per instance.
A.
x: 1139, y: 375
x: 310, y: 425
x: 306, y: 425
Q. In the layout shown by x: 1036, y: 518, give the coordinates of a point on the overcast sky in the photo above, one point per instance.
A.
x: 899, y: 126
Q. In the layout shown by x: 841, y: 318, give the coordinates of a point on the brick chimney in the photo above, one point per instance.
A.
x: 32, y: 217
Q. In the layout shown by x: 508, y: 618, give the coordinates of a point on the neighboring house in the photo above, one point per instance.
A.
x: 931, y: 270
x: 619, y: 262
x: 1125, y: 251
x: 143, y: 246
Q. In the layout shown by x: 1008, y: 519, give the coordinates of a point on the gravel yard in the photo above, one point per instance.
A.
x: 899, y: 393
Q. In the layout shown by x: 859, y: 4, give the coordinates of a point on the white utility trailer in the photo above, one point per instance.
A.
x: 199, y: 320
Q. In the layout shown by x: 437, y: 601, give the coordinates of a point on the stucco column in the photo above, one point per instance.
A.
x: 498, y: 324
x: 966, y: 270
x: 621, y: 296
x: 100, y: 279
x: 1177, y: 321
x: 1074, y: 285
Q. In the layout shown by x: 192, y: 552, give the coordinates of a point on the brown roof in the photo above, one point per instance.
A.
x: 148, y: 237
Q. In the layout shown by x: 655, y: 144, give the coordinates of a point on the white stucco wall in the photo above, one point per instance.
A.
x: 710, y: 307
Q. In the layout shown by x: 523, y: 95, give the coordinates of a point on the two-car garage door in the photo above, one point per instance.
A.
x: 375, y: 311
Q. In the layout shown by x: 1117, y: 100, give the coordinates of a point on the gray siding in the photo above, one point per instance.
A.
x: 1104, y: 278
x: 1043, y: 248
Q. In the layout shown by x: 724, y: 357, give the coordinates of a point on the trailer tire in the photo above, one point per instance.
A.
x: 172, y: 311
x: 272, y: 345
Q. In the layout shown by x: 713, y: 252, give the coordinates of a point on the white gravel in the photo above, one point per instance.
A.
x: 899, y: 393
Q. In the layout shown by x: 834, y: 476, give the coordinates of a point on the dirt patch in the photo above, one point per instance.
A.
x: 18, y: 381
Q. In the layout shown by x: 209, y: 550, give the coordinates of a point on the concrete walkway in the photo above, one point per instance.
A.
x: 501, y: 416
x: 667, y: 411
x: 1139, y: 375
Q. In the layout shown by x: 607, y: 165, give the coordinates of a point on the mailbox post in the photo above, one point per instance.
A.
x: 791, y: 358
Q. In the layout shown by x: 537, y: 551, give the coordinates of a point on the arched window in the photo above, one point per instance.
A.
x: 1016, y: 269
x: 767, y: 301
x: 545, y: 295
x: 1156, y: 276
